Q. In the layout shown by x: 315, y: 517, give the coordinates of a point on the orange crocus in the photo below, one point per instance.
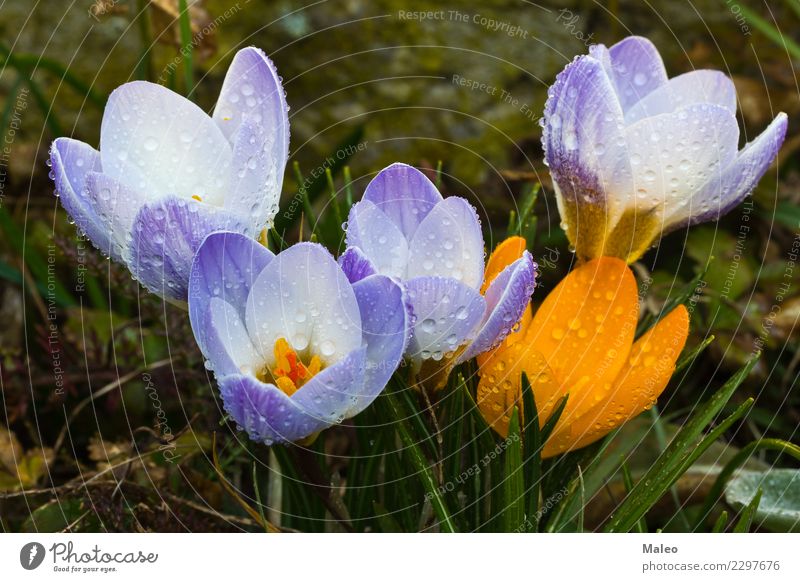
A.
x: 581, y: 343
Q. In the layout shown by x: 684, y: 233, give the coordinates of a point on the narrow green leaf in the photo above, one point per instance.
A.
x: 746, y: 517
x: 514, y: 481
x: 679, y: 454
x: 187, y: 47
x: 532, y: 449
x: 641, y: 525
x: 772, y: 33
x: 421, y: 464
x: 687, y: 358
x: 721, y: 523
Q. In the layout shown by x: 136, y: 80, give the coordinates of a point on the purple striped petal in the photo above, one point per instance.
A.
x: 116, y: 206
x: 446, y: 313
x: 378, y: 238
x: 224, y: 268
x: 355, y: 264
x: 71, y: 161
x: 252, y: 90
x: 270, y: 416
x: 448, y: 243
x: 385, y: 320
x: 405, y: 195
x: 166, y: 235
x: 712, y: 87
x: 179, y: 148
x: 304, y: 297
x: 506, y: 300
x: 729, y: 187
x: 584, y: 139
x: 637, y: 69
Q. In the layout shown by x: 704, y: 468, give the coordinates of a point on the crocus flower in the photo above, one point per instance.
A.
x: 635, y: 155
x: 295, y: 347
x: 404, y: 229
x: 580, y: 343
x: 167, y: 174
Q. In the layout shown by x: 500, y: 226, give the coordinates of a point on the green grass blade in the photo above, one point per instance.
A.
x: 514, y: 481
x: 721, y: 523
x: 680, y: 453
x: 421, y: 464
x: 187, y: 47
x: 746, y: 518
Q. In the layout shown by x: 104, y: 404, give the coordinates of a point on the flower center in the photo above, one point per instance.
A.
x: 289, y: 372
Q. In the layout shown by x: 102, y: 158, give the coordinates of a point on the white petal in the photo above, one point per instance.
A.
x: 304, y: 297
x: 674, y: 154
x: 448, y: 243
x: 168, y: 139
x: 713, y: 87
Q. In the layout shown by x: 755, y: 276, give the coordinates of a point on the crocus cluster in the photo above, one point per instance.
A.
x: 300, y: 341
x: 635, y: 155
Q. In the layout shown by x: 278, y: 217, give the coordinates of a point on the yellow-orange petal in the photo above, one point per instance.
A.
x: 638, y: 385
x: 585, y: 329
x: 500, y: 386
x: 503, y: 255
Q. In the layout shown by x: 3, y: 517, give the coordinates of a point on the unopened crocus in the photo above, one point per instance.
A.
x: 635, y: 155
x: 580, y: 344
x: 295, y: 347
x: 404, y: 229
x: 167, y: 174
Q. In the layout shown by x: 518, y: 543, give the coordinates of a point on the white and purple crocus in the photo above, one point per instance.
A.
x: 295, y: 346
x: 404, y: 229
x: 635, y: 155
x: 167, y: 174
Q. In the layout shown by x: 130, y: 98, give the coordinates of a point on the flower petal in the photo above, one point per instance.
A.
x: 506, y: 300
x: 385, y: 321
x: 636, y: 388
x: 702, y: 86
x: 585, y: 329
x: 71, y: 161
x: 588, y: 156
x: 446, y: 313
x: 169, y: 138
x: 500, y: 385
x: 224, y: 267
x: 674, y: 153
x: 502, y: 256
x: 116, y: 205
x: 637, y: 69
x: 448, y: 243
x: 729, y: 186
x: 256, y: 177
x: 404, y: 194
x: 378, y: 238
x: 355, y: 264
x: 269, y: 415
x: 166, y: 234
x: 252, y: 90
x: 304, y: 297
x: 222, y: 336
